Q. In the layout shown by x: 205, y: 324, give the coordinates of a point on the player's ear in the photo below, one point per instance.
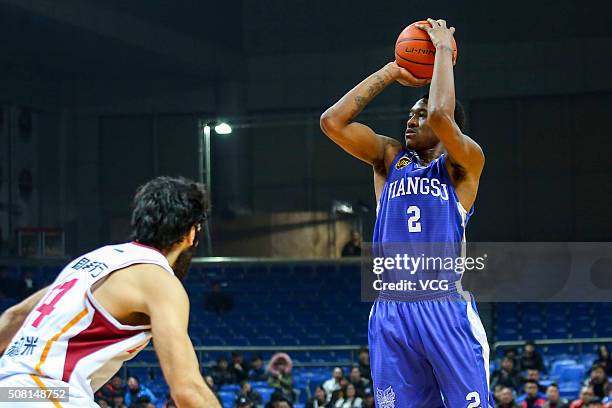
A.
x: 191, y: 235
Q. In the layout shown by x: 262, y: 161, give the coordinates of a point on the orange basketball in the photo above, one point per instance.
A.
x: 415, y: 51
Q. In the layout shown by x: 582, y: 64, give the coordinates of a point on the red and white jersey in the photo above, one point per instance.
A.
x: 68, y: 337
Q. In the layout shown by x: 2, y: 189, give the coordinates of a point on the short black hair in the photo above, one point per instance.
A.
x: 458, y: 114
x: 165, y: 209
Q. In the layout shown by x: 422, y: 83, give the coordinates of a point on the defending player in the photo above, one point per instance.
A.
x: 428, y: 349
x: 105, y: 306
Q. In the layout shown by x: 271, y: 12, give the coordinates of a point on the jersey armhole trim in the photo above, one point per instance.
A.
x: 462, y: 211
x: 393, y: 163
x: 98, y: 307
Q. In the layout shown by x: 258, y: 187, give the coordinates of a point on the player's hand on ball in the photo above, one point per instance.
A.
x: 404, y: 77
x: 440, y: 35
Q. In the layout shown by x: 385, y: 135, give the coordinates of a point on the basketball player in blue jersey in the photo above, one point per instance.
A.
x: 428, y: 348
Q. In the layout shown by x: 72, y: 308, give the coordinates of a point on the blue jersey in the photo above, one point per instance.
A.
x: 428, y: 347
x: 419, y: 214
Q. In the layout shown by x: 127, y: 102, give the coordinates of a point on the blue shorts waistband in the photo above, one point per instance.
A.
x: 413, y: 296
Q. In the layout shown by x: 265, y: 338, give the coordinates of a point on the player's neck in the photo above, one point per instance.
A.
x: 427, y: 155
x: 173, y: 254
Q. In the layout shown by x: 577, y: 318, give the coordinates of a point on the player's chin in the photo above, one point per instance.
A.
x: 411, y: 143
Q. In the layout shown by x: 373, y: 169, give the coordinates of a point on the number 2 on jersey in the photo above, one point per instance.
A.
x: 47, y: 306
x: 414, y: 225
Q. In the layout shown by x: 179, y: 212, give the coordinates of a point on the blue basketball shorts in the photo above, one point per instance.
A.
x: 429, y: 354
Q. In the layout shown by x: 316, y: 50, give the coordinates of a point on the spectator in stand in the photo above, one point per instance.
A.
x: 333, y: 384
x: 221, y: 373
x: 353, y: 247
x: 319, y: 400
x: 595, y: 403
x: 604, y: 359
x: 586, y: 394
x: 350, y: 399
x: 278, y: 401
x: 531, y: 398
x: 118, y: 401
x: 257, y: 371
x: 507, y: 375
x: 339, y: 393
x: 368, y: 399
x: 553, y: 398
x: 108, y: 391
x: 505, y: 399
x: 497, y: 388
x: 358, y: 381
x: 598, y: 380
x: 531, y: 358
x: 239, y: 368
x: 137, y: 392
x: 218, y: 301
x: 533, y: 374
x: 279, y: 375
x: 364, y: 364
x: 246, y: 391
x: 512, y: 354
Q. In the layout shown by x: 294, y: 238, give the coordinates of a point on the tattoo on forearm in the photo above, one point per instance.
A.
x: 377, y: 87
x: 372, y: 89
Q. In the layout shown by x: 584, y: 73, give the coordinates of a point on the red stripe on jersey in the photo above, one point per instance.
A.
x: 99, y: 334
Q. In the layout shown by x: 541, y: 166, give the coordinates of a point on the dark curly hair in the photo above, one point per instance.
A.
x: 459, y: 113
x: 165, y: 209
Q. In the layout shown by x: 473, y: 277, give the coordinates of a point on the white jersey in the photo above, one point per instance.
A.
x: 68, y: 338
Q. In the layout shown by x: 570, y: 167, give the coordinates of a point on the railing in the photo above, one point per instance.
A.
x: 549, y: 342
x: 353, y: 349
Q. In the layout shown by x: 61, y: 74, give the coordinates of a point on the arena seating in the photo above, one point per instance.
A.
x: 317, y: 303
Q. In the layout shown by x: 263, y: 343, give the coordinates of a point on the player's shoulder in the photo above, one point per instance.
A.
x: 474, y: 145
x: 149, y: 279
x: 148, y: 272
x: 391, y: 150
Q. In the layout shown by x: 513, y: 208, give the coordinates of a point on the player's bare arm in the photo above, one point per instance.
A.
x: 356, y: 138
x: 151, y: 293
x: 13, y: 317
x: 466, y: 159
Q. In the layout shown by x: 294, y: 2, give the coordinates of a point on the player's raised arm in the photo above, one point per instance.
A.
x: 356, y: 138
x: 441, y: 103
x: 13, y: 317
x: 167, y: 305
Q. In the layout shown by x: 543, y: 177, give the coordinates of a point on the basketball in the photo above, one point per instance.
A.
x: 415, y: 51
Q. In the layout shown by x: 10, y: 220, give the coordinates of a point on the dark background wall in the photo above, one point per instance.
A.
x: 116, y: 90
